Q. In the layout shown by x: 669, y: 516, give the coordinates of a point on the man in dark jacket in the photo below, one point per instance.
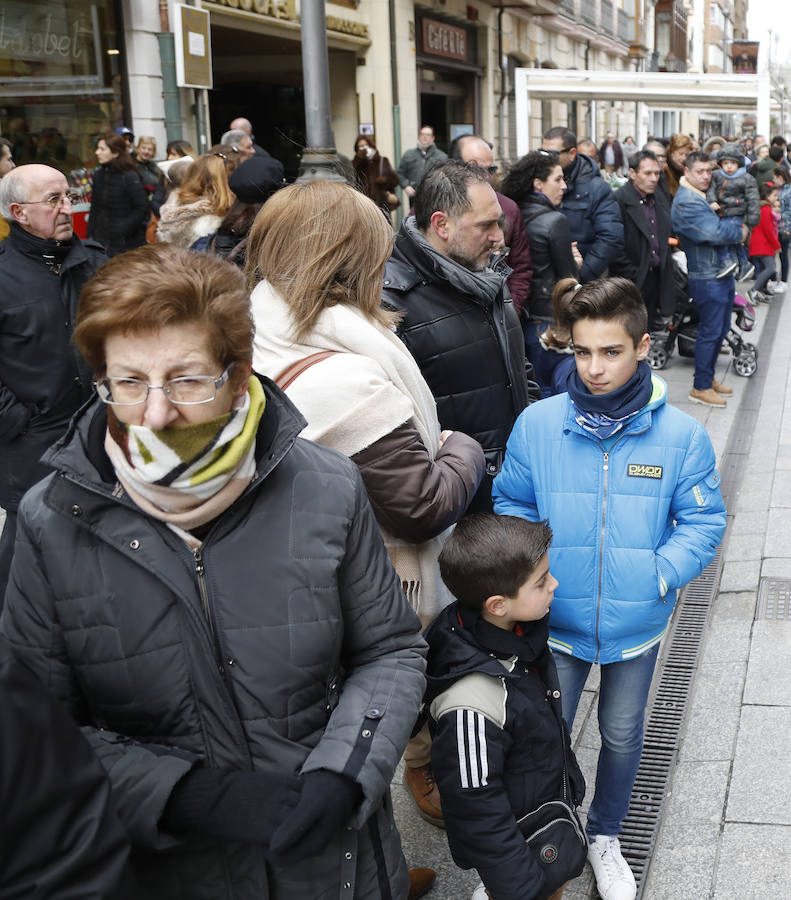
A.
x: 474, y: 149
x: 458, y: 319
x: 646, y: 259
x: 418, y: 160
x: 588, y: 204
x: 43, y: 379
x: 59, y: 836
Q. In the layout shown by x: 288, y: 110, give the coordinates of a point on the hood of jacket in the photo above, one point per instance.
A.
x: 485, y: 285
x: 582, y: 169
x: 461, y: 642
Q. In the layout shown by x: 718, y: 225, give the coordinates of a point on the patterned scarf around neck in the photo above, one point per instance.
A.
x: 606, y: 414
x: 188, y: 476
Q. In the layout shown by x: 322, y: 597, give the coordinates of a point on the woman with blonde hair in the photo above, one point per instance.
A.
x: 315, y: 261
x: 196, y: 209
x: 677, y: 150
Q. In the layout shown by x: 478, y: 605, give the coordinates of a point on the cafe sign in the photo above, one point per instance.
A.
x: 441, y: 39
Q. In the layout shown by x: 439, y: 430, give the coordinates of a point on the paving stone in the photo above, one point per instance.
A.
x: 741, y: 547
x: 710, y: 733
x: 727, y: 641
x: 781, y: 490
x: 751, y: 500
x: 768, y: 669
x: 697, y: 793
x: 776, y: 567
x: 759, y: 786
x: 753, y: 863
x: 740, y: 575
x: 681, y: 876
x: 778, y: 527
x: 753, y: 522
x: 738, y: 606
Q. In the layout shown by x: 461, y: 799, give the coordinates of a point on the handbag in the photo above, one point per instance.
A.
x: 391, y: 198
x: 554, y: 834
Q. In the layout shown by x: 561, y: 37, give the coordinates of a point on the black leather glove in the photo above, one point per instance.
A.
x: 325, y: 806
x: 237, y: 806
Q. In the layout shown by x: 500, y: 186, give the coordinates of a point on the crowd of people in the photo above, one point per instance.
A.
x: 290, y: 497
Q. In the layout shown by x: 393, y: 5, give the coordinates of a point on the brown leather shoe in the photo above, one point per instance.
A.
x: 709, y: 397
x: 721, y: 388
x: 424, y: 789
x: 420, y: 882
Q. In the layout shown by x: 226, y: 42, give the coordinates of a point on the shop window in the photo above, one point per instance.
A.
x: 61, y: 81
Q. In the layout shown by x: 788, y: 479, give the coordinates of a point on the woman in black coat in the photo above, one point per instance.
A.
x: 119, y: 207
x: 536, y: 184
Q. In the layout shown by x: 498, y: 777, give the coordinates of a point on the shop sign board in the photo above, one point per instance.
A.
x: 193, y: 47
x: 441, y: 39
x: 286, y: 11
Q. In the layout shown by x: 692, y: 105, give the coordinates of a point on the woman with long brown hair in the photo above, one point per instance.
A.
x: 119, y: 208
x: 677, y: 150
x: 196, y: 209
x: 375, y: 175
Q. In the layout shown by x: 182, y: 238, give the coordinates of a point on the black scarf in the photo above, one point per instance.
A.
x: 528, y: 641
x: 51, y: 252
x: 605, y: 414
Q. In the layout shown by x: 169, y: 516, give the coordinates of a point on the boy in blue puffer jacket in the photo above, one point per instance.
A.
x: 630, y: 489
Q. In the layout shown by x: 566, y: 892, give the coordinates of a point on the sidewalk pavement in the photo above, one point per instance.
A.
x: 726, y: 823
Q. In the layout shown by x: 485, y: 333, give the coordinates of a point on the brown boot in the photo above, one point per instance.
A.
x: 709, y: 397
x: 420, y: 882
x: 721, y: 388
x: 424, y: 789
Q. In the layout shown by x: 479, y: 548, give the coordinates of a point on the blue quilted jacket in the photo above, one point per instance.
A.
x: 634, y: 518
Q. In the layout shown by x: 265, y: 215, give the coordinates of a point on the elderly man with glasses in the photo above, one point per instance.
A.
x: 43, y: 379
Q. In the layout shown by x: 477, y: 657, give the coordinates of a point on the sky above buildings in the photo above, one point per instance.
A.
x: 763, y: 17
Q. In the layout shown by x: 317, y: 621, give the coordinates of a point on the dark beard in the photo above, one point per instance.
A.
x: 471, y: 264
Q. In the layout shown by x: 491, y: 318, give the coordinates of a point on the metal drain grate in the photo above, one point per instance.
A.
x: 774, y: 599
x: 666, y: 719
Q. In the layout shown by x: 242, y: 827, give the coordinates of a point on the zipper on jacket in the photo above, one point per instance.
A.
x: 200, y: 571
x: 606, y: 469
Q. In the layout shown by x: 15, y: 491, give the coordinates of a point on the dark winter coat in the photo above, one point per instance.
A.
x: 519, y: 258
x: 284, y: 644
x: 736, y: 194
x: 43, y: 378
x: 463, y: 331
x: 550, y: 250
x: 119, y: 210
x: 150, y: 175
x: 59, y: 837
x: 594, y: 220
x: 617, y: 154
x: 376, y: 177
x: 502, y: 687
x: 635, y: 260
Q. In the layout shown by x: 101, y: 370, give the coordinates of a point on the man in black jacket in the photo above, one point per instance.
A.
x: 43, y: 379
x: 458, y: 318
x: 646, y: 259
x: 588, y: 204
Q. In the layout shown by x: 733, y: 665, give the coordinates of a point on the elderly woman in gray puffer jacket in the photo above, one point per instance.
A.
x: 211, y: 597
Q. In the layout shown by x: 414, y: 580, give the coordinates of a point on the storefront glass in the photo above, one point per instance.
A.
x: 61, y: 81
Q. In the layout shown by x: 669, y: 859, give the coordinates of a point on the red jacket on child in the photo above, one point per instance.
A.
x: 764, y: 240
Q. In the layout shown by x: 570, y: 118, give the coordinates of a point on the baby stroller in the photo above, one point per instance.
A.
x: 682, y: 331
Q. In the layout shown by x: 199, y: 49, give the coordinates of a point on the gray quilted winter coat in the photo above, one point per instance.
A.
x: 303, y: 654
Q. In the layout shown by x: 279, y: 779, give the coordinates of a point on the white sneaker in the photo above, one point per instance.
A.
x: 614, y: 878
x: 480, y: 893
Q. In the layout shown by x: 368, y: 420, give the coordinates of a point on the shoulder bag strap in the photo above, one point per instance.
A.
x: 287, y: 376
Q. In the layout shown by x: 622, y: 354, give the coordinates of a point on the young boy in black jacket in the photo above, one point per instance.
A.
x: 500, y: 748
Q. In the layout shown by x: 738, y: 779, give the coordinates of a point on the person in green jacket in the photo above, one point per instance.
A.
x: 418, y: 160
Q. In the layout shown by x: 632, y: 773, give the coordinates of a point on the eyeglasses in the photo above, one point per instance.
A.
x: 55, y: 201
x: 188, y: 390
x: 492, y: 170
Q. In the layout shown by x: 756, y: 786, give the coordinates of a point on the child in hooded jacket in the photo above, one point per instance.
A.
x: 733, y: 193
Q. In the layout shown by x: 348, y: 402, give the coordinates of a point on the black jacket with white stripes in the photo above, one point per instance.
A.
x: 497, y: 751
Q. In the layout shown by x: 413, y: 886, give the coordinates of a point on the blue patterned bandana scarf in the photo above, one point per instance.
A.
x: 606, y: 414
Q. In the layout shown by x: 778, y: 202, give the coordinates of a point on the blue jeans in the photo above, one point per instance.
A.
x: 623, y: 695
x: 784, y: 241
x: 714, y: 300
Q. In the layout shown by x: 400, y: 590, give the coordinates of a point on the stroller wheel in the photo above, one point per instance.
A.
x: 657, y: 357
x: 747, y: 347
x: 745, y: 364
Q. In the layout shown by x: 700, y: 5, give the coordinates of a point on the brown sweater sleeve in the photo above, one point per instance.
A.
x: 414, y: 497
